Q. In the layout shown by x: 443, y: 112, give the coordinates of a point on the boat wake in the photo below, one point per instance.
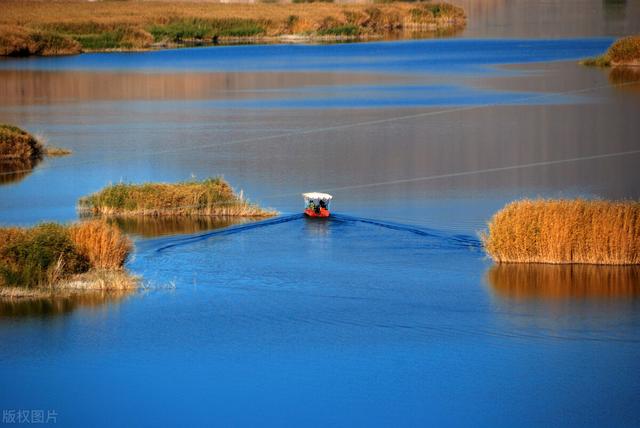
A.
x: 455, y: 240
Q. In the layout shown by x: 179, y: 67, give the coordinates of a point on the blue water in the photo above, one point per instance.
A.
x: 383, y: 315
x: 415, y: 56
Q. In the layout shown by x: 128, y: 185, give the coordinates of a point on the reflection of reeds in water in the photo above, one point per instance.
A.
x: 16, y: 169
x: 528, y: 281
x: 626, y: 76
x: 149, y: 227
x: 60, y: 304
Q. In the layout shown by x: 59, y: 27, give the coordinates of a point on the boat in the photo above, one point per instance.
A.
x: 317, y: 204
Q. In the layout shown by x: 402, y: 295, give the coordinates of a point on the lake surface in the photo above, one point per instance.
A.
x: 387, y: 314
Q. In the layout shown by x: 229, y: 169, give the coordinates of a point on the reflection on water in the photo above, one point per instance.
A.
x: 58, y: 305
x: 551, y: 282
x: 552, y: 18
x: 19, y: 86
x: 13, y: 170
x: 148, y: 227
x: 614, y: 9
x: 626, y: 76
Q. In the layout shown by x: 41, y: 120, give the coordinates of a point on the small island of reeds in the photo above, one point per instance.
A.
x: 20, y: 152
x: 565, y: 231
x: 68, y: 27
x: 624, y: 52
x: 50, y: 258
x: 209, y: 197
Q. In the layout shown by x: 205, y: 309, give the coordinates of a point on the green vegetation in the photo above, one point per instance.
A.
x: 565, y: 231
x: 49, y: 254
x: 312, y: 1
x: 210, y: 197
x: 433, y: 12
x: 340, y: 30
x: 623, y: 52
x: 597, y: 61
x: 200, y: 29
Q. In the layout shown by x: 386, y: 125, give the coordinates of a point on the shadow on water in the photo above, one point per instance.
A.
x: 60, y: 305
x: 150, y: 227
x: 522, y: 282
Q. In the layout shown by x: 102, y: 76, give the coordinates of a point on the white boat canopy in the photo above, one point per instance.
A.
x: 316, y: 197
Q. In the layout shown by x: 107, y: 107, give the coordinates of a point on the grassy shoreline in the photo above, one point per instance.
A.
x: 70, y: 26
x: 565, y: 232
x: 52, y: 258
x: 209, y: 197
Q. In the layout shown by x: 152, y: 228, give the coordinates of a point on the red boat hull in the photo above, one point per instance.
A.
x: 323, y: 213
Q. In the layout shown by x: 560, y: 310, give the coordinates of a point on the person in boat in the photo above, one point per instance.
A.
x: 317, y: 204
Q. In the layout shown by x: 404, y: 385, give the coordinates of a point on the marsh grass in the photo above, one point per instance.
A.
x: 16, y: 143
x: 200, y: 29
x: 20, y: 152
x: 209, y: 197
x: 565, y: 231
x: 68, y: 26
x: 623, y: 52
x: 340, y: 30
x: 16, y: 40
x: 434, y: 12
x: 597, y: 61
x: 49, y: 254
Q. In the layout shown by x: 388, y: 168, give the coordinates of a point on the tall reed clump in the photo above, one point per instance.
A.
x: 209, y: 197
x: 565, y: 231
x: 104, y: 246
x: 20, y: 152
x: 16, y: 143
x: 623, y: 52
x: 48, y: 254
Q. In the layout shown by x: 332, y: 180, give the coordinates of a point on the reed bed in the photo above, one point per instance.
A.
x: 565, y: 231
x: 623, y: 52
x: 67, y: 26
x: 523, y: 281
x: 209, y: 197
x: 20, y: 152
x: 88, y: 255
x: 18, y: 144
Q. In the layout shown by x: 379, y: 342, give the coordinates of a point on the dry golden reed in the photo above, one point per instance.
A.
x: 104, y: 245
x: 565, y: 231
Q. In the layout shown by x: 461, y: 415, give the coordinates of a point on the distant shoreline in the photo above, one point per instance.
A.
x: 71, y: 27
